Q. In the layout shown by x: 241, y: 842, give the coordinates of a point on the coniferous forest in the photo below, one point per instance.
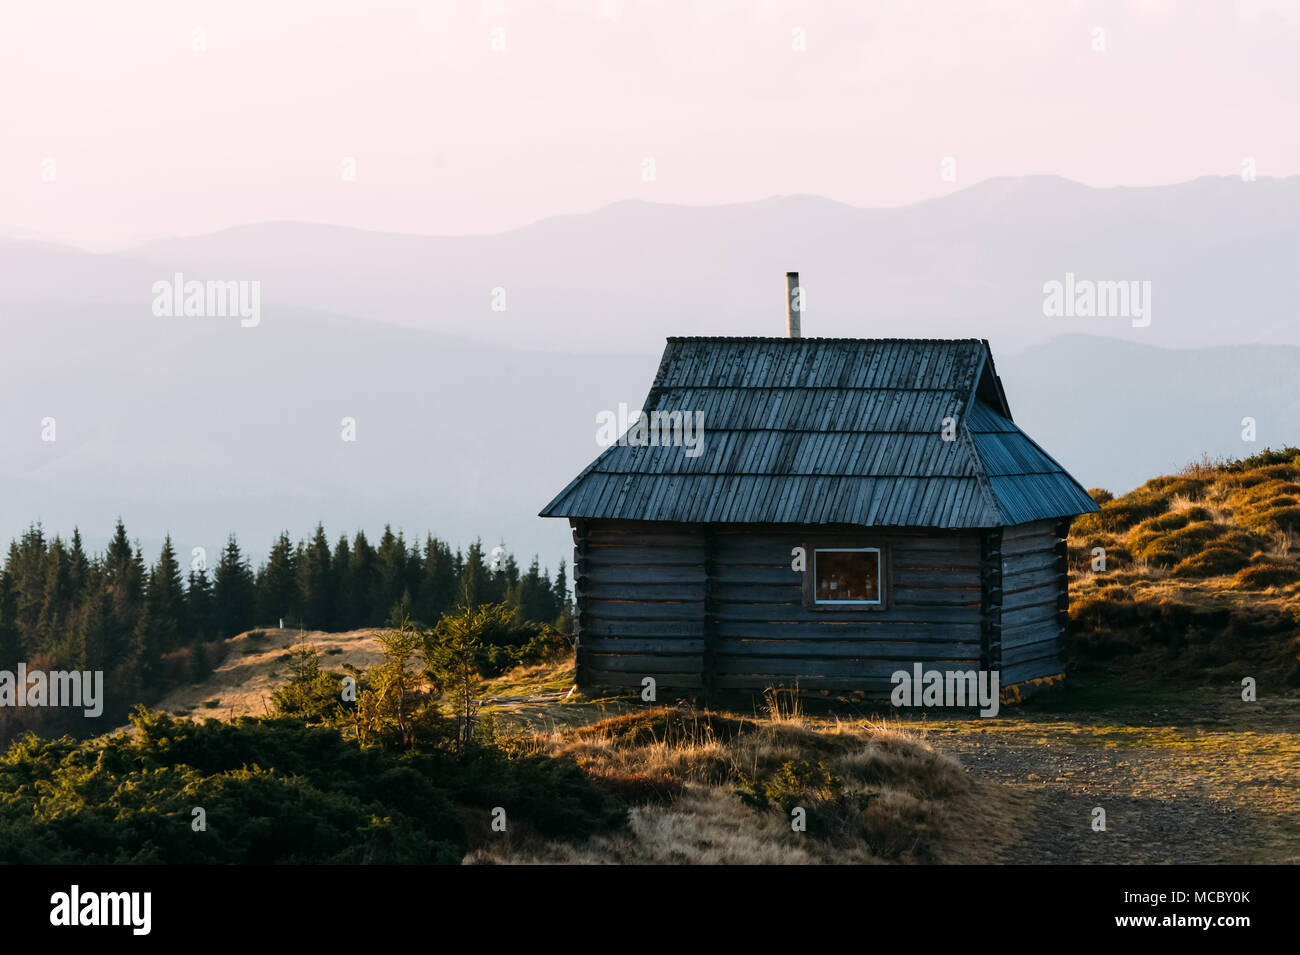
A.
x: 151, y: 626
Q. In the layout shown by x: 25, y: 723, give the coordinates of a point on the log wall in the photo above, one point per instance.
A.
x: 1035, y: 597
x: 718, y: 607
x: 705, y: 607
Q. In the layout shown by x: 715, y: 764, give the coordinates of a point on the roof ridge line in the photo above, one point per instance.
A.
x: 981, y: 469
x: 815, y: 387
x: 816, y: 338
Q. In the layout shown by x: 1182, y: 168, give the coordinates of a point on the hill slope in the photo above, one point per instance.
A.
x: 1193, y: 577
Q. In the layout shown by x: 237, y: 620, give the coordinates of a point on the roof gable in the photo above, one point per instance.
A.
x: 820, y: 431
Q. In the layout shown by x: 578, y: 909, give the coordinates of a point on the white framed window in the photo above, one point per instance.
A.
x: 847, y: 577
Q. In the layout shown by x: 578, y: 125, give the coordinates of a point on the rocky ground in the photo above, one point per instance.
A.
x: 1202, y: 780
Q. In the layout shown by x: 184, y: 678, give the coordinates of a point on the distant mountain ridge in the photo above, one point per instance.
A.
x: 470, y: 419
x: 1118, y: 413
x: 1217, y: 251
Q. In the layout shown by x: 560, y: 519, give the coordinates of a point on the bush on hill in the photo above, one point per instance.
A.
x: 1201, y: 574
x: 272, y: 791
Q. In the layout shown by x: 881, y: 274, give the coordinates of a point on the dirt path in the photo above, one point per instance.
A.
x: 1200, y: 781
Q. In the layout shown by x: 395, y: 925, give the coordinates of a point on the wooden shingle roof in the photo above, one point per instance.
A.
x: 830, y: 431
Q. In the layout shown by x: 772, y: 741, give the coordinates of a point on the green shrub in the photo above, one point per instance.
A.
x: 551, y: 795
x: 1266, y: 459
x: 1100, y: 495
x: 273, y: 791
x: 312, y: 694
x: 793, y: 783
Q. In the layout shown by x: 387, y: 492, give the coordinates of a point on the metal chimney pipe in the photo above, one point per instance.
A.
x: 793, y: 304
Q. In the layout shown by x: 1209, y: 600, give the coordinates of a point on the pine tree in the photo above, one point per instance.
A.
x: 137, y: 667
x: 198, y: 605
x: 437, y: 587
x: 117, y: 614
x: 166, y: 605
x: 233, y: 592
x: 10, y: 638
x: 52, y: 631
x: 119, y: 549
x: 92, y: 627
x: 474, y: 580
x: 390, y: 575
x: 341, y: 610
x: 314, y: 582
x: 78, y: 564
x: 414, y: 578
x: 402, y: 608
x: 564, y: 622
x: 124, y: 580
x: 360, y: 585
x: 503, y: 575
x: 29, y: 583
x: 534, y: 596
x: 277, y: 584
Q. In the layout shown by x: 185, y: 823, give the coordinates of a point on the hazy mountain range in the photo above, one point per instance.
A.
x: 469, y: 419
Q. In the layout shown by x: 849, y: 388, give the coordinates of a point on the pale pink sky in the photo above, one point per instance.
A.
x: 150, y: 136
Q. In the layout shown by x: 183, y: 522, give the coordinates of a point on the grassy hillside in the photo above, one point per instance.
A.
x: 1201, y: 580
x: 713, y: 787
x: 256, y: 663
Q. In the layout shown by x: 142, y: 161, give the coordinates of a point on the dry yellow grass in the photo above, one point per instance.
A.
x: 718, y: 788
x: 1201, y: 576
x: 241, y: 685
x: 1022, y: 791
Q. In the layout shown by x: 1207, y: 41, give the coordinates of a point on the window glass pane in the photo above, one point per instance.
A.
x: 847, y: 575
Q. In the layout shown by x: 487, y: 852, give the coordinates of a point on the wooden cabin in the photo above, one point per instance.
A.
x: 932, y: 528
